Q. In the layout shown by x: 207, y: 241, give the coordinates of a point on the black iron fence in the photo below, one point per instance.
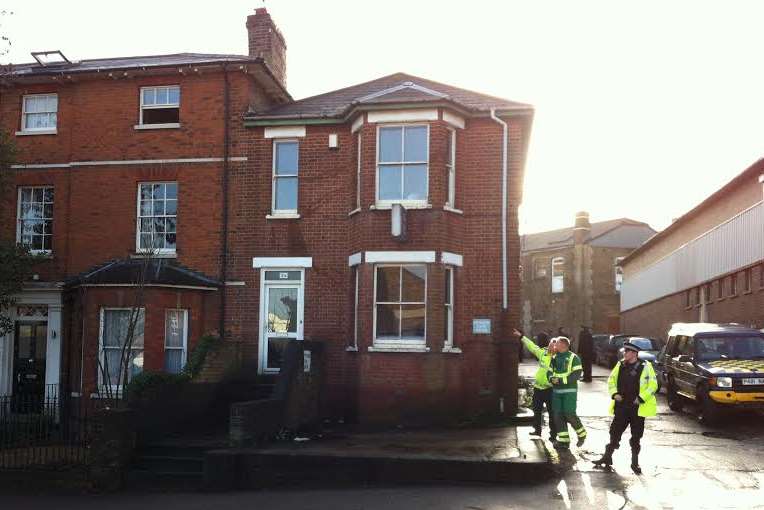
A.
x: 48, y: 430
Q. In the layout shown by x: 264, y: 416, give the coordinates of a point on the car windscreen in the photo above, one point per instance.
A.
x: 729, y: 347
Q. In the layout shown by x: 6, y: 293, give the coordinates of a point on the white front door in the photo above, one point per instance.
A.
x: 281, y: 315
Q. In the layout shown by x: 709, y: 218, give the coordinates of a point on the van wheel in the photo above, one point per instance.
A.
x: 674, y: 400
x: 709, y: 410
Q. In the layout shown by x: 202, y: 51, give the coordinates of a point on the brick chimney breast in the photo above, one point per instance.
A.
x: 582, y: 227
x: 266, y: 42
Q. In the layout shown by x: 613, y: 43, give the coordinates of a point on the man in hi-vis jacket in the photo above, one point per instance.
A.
x: 564, y: 374
x: 542, y: 388
x: 632, y: 386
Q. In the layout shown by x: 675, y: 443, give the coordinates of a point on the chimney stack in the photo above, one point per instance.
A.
x: 582, y: 227
x: 266, y: 42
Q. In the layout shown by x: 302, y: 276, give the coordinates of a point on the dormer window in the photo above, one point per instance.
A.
x: 402, y: 164
x: 39, y: 113
x: 160, y: 106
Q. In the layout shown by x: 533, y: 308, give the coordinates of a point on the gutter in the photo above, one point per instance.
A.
x: 504, y: 150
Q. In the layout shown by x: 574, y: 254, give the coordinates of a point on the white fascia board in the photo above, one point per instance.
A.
x: 453, y: 119
x: 426, y: 257
x: 355, y: 259
x: 451, y: 259
x: 285, y: 132
x: 401, y: 115
x: 357, y: 123
x: 258, y: 262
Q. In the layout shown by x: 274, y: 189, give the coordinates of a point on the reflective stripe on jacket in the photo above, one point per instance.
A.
x: 541, y: 381
x: 648, y: 385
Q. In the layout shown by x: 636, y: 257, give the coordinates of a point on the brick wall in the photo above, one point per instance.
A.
x: 654, y: 319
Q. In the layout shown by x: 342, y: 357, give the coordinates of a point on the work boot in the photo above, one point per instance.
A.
x: 580, y: 441
x: 607, y: 457
x: 559, y: 445
x: 635, y: 461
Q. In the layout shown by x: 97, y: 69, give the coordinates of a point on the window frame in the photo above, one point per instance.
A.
x: 24, y: 113
x: 559, y: 261
x: 138, y: 217
x: 540, y: 264
x: 747, y: 280
x: 451, y: 171
x: 274, y: 178
x: 448, y: 308
x: 359, y: 144
x: 184, y: 347
x: 19, y: 220
x: 356, y: 276
x: 616, y: 267
x: 733, y: 285
x: 404, y: 342
x: 155, y: 106
x: 101, y: 351
x: 406, y: 203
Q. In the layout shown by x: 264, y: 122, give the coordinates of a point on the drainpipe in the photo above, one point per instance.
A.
x: 224, y: 241
x: 503, y: 206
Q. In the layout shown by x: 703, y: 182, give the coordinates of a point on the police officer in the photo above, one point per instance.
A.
x: 565, y: 371
x: 542, y: 388
x: 632, y: 386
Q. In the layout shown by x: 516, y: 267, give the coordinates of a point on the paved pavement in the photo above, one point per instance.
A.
x: 686, y: 465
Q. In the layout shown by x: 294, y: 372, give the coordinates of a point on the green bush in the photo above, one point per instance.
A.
x: 207, y: 344
x: 146, y: 385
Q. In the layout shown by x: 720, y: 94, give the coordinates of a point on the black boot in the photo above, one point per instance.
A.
x: 635, y: 461
x: 607, y: 457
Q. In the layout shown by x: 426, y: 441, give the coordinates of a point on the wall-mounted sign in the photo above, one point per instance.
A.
x: 481, y: 326
x: 306, y: 361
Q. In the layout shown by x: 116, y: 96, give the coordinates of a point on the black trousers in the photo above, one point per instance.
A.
x: 627, y: 416
x: 543, y: 398
x: 586, y: 363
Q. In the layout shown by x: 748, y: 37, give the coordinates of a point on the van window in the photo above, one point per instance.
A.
x: 686, y: 345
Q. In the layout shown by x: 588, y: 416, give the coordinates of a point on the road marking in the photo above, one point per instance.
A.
x: 586, y: 479
x: 562, y: 488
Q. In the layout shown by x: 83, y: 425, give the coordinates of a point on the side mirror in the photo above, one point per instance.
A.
x: 684, y: 358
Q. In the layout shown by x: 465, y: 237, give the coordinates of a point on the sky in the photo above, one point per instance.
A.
x: 642, y: 108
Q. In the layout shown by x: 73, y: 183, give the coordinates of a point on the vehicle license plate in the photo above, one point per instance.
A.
x: 753, y: 380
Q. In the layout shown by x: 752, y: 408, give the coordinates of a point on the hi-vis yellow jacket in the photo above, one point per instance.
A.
x: 542, y: 380
x: 648, y: 385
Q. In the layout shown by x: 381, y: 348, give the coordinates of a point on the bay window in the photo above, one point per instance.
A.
x: 402, y: 164
x: 119, y: 349
x: 400, y: 305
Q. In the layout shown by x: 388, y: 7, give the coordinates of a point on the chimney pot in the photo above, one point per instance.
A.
x: 582, y: 227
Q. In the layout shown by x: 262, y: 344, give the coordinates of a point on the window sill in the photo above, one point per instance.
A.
x: 143, y: 255
x: 402, y: 348
x: 407, y: 205
x: 734, y: 296
x: 451, y: 350
x: 43, y: 254
x: 172, y: 125
x: 354, y: 211
x: 748, y: 292
x: 290, y: 216
x: 453, y: 210
x: 40, y: 132
x: 351, y: 348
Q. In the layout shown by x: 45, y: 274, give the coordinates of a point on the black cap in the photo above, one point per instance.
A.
x: 628, y: 346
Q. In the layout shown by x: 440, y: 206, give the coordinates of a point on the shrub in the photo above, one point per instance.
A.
x: 207, y: 344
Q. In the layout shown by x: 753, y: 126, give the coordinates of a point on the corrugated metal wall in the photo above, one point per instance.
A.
x: 735, y: 244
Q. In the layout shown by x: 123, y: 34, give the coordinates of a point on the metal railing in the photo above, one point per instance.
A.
x: 47, y: 430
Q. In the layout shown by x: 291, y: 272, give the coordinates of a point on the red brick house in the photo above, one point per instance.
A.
x: 379, y: 219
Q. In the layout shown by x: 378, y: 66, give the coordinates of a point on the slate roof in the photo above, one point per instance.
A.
x: 107, y: 64
x: 395, y: 88
x: 157, y: 271
x: 564, y: 236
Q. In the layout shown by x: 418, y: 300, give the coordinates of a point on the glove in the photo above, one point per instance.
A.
x: 617, y: 397
x: 554, y: 380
